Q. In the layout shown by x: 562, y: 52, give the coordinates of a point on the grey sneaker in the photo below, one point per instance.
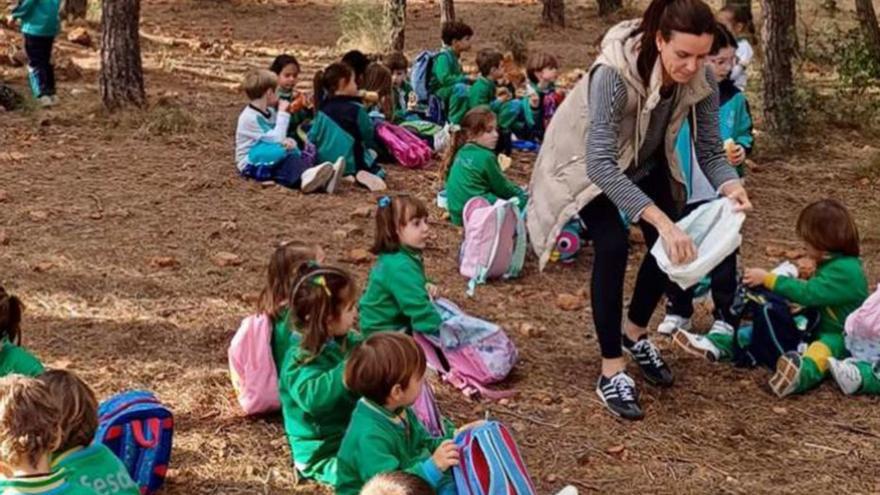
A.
x: 671, y: 323
x: 846, y: 374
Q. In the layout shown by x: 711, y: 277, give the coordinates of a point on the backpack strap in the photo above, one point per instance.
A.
x: 519, y: 249
x: 497, y: 472
x: 513, y: 467
x: 482, y: 270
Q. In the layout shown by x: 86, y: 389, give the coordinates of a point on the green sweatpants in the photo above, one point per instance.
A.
x: 455, y: 98
x: 870, y: 380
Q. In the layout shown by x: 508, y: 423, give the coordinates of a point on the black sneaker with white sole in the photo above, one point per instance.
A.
x: 654, y: 369
x: 620, y: 396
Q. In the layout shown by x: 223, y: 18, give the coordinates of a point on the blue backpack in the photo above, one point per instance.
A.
x: 490, y: 463
x: 139, y: 430
x: 420, y: 77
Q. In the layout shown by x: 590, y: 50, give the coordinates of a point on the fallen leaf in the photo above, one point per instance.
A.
x: 43, y: 266
x: 359, y: 255
x: 163, y: 262
x: 551, y: 478
x: 4, y: 196
x: 38, y: 215
x: 96, y: 215
x: 780, y: 410
x: 4, y: 238
x: 616, y: 449
x: 362, y: 212
x: 80, y: 36
x: 229, y: 225
x: 224, y: 258
x: 569, y: 302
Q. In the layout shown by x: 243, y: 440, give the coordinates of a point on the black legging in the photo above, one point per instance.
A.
x: 611, y: 247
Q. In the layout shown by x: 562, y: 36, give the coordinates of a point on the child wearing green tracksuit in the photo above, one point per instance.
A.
x: 398, y: 295
x: 474, y: 169
x: 837, y: 289
x: 13, y: 358
x: 315, y: 403
x: 398, y: 64
x: 447, y: 81
x: 509, y: 112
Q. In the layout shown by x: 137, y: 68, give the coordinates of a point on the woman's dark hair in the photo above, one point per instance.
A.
x: 741, y: 15
x: 326, y: 81
x: 665, y: 17
x: 282, y: 61
x: 723, y: 39
x: 826, y: 225
x: 10, y: 317
x: 319, y: 295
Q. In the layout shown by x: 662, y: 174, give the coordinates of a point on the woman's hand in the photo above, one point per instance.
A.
x: 735, y: 191
x: 679, y: 246
x: 754, y: 277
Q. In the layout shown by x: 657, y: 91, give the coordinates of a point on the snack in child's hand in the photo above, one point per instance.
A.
x: 370, y: 97
x: 504, y: 162
x: 298, y: 103
x: 412, y: 100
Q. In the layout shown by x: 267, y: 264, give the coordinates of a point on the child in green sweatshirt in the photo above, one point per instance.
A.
x: 398, y: 64
x: 447, y: 80
x: 474, y: 169
x: 837, y: 289
x: 90, y: 466
x: 509, y: 112
x: 398, y: 296
x: 385, y: 436
x: 315, y: 403
x: 14, y: 359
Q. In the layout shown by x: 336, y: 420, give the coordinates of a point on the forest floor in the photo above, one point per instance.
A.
x: 111, y: 227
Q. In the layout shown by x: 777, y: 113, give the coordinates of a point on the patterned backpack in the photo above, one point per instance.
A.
x: 490, y: 463
x: 862, y: 330
x: 494, y: 243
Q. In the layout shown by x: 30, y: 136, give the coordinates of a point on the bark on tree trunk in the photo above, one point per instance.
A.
x: 868, y: 22
x: 779, y: 48
x: 122, y: 75
x: 395, y: 16
x: 74, y: 8
x: 447, y: 11
x: 609, y: 6
x: 554, y: 13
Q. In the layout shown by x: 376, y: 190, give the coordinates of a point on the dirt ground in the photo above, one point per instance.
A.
x: 110, y: 226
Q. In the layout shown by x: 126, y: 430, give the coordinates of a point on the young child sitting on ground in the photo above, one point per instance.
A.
x: 837, y: 289
x: 542, y: 70
x: 314, y: 401
x: 401, y: 89
x: 378, y: 79
x: 447, y: 80
x: 301, y: 108
x: 485, y: 92
x: 284, y: 265
x: 472, y: 169
x: 398, y: 296
x: 90, y: 466
x: 29, y: 433
x: 385, y: 436
x: 14, y: 359
x: 262, y: 150
x: 342, y: 128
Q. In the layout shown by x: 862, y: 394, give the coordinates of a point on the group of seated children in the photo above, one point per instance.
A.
x: 48, y: 419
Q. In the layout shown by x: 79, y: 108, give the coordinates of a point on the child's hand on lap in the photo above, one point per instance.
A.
x: 470, y: 426
x: 446, y: 455
x: 754, y: 277
x: 433, y: 291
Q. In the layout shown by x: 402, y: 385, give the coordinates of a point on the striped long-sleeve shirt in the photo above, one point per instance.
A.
x: 607, y: 105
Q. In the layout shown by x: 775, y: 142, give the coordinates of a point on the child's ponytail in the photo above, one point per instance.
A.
x: 10, y: 317
x: 459, y: 138
x: 319, y: 295
x: 318, y: 89
x: 281, y: 273
x: 474, y: 123
x: 326, y: 81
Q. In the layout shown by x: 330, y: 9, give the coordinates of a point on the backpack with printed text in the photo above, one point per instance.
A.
x: 408, y: 149
x: 494, y: 243
x: 252, y: 367
x: 139, y: 430
x: 490, y: 463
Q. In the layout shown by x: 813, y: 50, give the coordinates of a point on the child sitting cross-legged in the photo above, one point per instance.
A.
x: 262, y: 149
x: 315, y: 403
x: 387, y: 371
x: 398, y: 64
x: 447, y: 81
x: 542, y: 70
x: 472, y: 169
x: 13, y: 358
x: 485, y: 92
x: 90, y: 466
x: 301, y: 108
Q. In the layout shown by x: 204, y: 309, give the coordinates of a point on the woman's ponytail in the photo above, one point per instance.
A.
x: 664, y: 17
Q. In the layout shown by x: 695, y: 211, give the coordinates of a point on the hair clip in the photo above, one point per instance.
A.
x: 384, y: 202
x: 320, y: 281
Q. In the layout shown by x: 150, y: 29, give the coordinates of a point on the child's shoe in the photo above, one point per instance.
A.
x: 338, y: 169
x: 788, y: 369
x: 316, y: 178
x: 372, y: 182
x: 698, y: 345
x: 846, y: 374
x: 671, y: 323
x: 45, y: 101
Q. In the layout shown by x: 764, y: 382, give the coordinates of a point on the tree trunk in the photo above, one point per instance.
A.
x: 74, y: 8
x: 447, y: 11
x: 395, y: 16
x: 740, y: 4
x: 554, y: 13
x: 779, y: 48
x: 609, y: 6
x: 122, y: 75
x: 868, y: 22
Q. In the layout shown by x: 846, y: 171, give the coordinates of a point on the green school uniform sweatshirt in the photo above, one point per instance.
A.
x: 96, y: 468
x: 475, y: 172
x: 400, y: 97
x: 18, y: 360
x: 395, y: 297
x: 379, y: 441
x: 445, y: 73
x: 54, y: 483
x: 482, y: 92
x: 315, y: 404
x: 284, y: 337
x: 837, y: 289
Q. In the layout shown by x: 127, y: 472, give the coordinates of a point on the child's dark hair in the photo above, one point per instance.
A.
x: 358, y: 63
x: 827, y: 225
x: 79, y: 407
x: 394, y: 212
x: 378, y: 79
x: 282, y: 61
x: 319, y: 295
x: 326, y: 81
x: 11, y: 309
x: 396, y: 483
x: 538, y: 62
x: 396, y: 61
x: 382, y: 361
x: 488, y: 59
x: 741, y: 15
x: 665, y: 17
x: 281, y: 274
x: 455, y: 30
x: 723, y: 39
x: 477, y: 121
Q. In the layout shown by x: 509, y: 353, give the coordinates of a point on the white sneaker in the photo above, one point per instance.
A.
x: 45, y: 101
x: 54, y: 99
x: 568, y: 490
x: 695, y: 344
x: 671, y: 323
x: 316, y: 178
x: 370, y: 181
x: 846, y: 374
x: 338, y: 169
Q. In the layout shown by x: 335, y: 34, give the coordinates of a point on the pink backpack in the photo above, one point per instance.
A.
x: 494, y: 243
x: 252, y: 367
x: 408, y: 149
x: 862, y: 330
x: 468, y: 352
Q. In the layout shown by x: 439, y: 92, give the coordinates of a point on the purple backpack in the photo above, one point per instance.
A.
x: 468, y: 352
x: 428, y: 412
x: 408, y: 149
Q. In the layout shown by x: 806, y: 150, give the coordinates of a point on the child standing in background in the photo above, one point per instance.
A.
x: 13, y: 358
x: 301, y: 108
x: 739, y: 21
x: 447, y: 80
x: 39, y: 25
